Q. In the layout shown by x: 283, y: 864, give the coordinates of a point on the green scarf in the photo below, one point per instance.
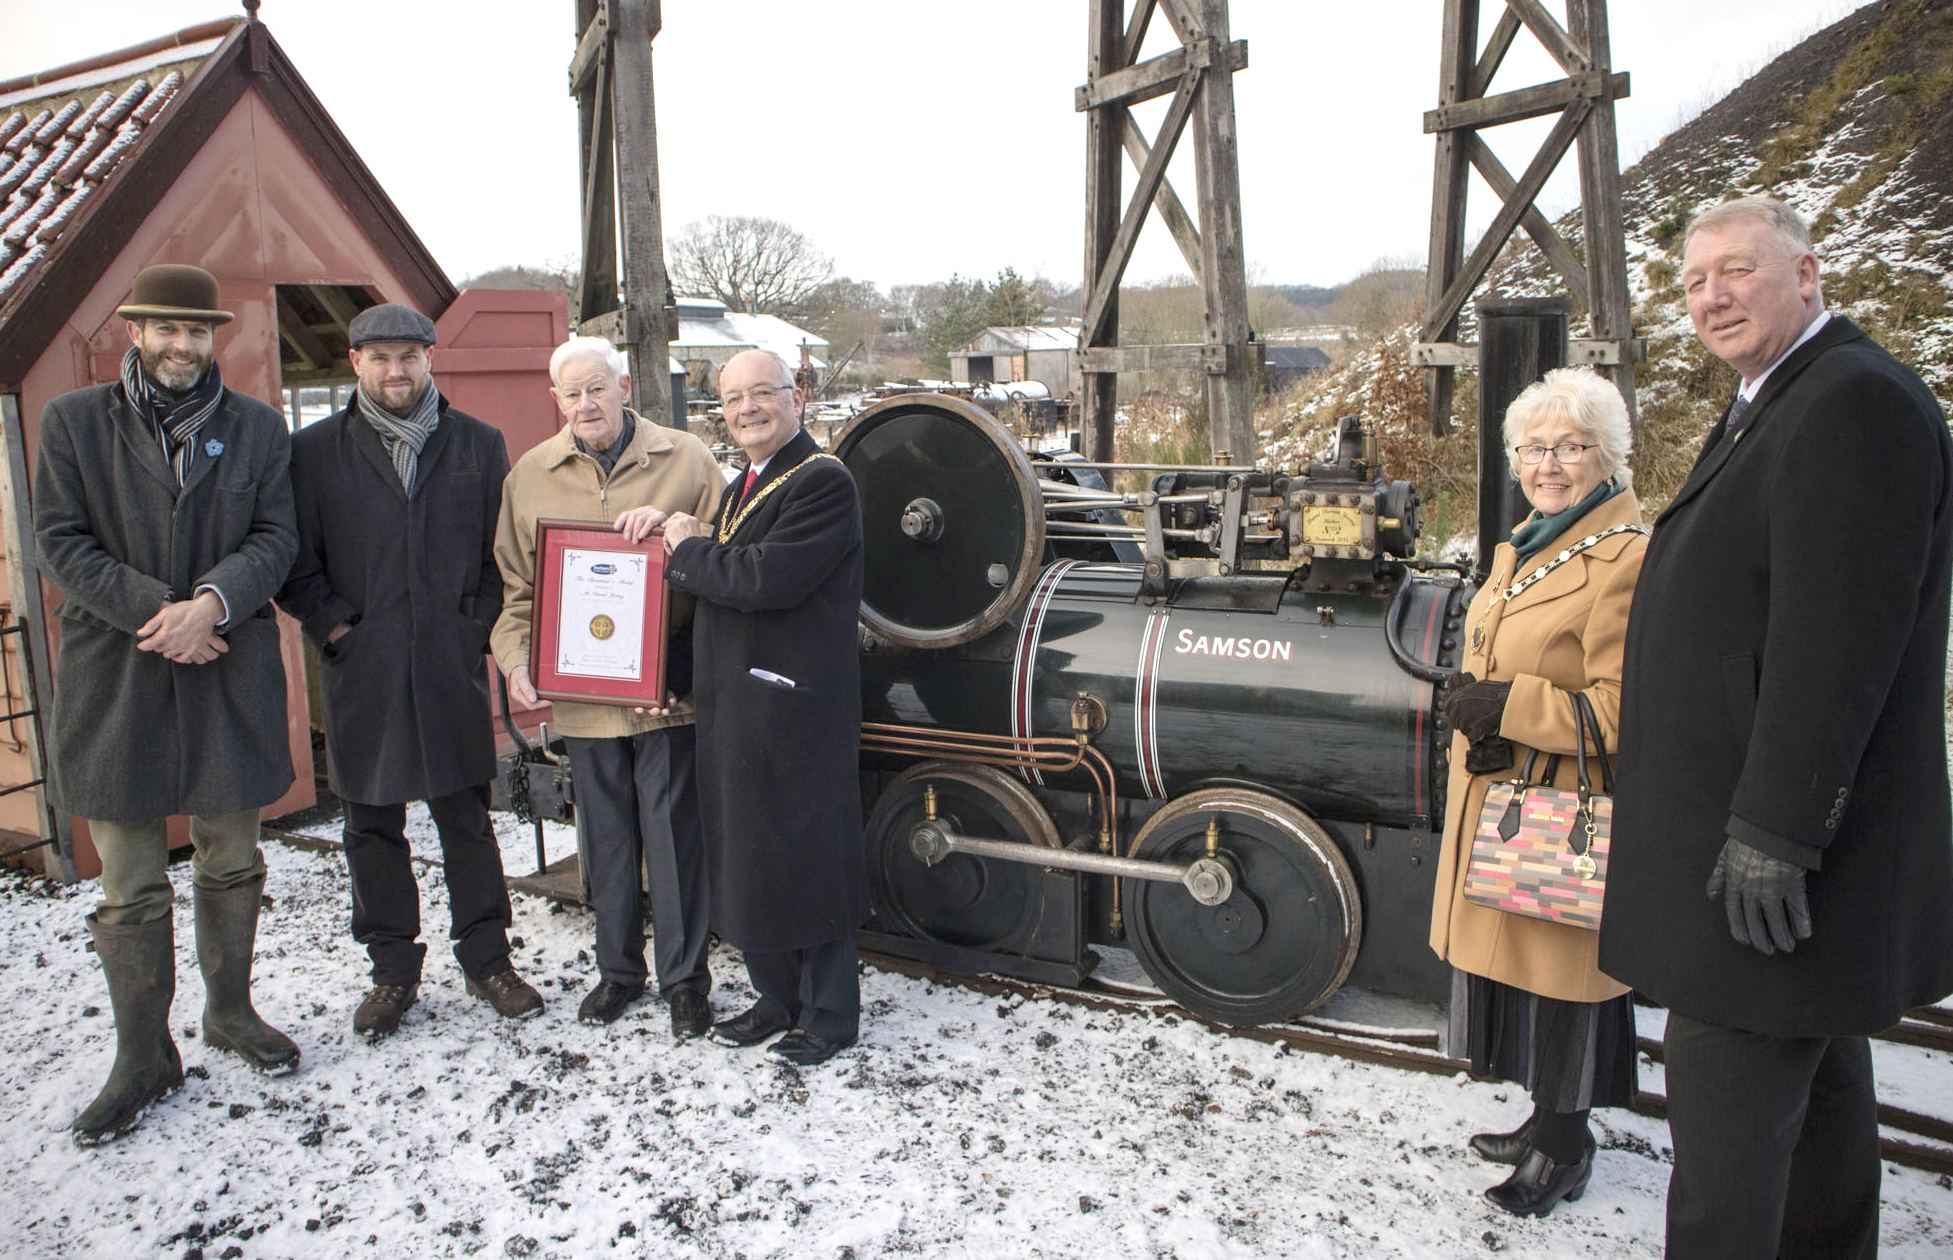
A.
x: 1536, y: 531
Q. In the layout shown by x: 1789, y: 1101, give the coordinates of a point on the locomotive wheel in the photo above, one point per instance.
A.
x: 952, y: 519
x: 1280, y: 945
x: 974, y: 902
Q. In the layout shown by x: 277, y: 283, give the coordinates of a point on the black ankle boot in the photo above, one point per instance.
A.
x: 1505, y: 1148
x: 1539, y: 1183
x: 227, y: 931
x: 139, y: 962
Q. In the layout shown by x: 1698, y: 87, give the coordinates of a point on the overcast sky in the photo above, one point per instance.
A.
x: 910, y: 139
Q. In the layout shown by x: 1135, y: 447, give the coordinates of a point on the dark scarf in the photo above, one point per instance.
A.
x: 176, y: 420
x: 1531, y: 537
x: 607, y: 458
x: 404, y: 437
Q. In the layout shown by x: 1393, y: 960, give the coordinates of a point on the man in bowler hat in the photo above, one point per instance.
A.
x: 396, y: 583
x: 163, y: 512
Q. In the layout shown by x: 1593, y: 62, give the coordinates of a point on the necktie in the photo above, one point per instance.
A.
x: 752, y: 475
x: 1736, y: 410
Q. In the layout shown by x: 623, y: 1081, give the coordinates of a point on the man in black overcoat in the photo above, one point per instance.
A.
x: 163, y: 512
x: 778, y: 581
x: 396, y: 582
x: 1782, y: 867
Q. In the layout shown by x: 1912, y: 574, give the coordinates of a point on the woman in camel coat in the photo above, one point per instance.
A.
x: 1529, y: 1004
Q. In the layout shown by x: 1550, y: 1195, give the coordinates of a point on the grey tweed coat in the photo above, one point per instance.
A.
x: 136, y: 736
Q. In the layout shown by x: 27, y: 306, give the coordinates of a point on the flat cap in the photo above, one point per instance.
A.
x: 390, y: 321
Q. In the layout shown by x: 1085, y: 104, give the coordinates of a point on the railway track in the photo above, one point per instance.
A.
x: 1908, y: 1138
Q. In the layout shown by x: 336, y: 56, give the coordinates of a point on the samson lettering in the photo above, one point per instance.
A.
x: 1190, y: 644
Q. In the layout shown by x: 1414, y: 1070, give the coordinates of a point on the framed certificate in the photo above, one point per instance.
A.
x: 600, y: 613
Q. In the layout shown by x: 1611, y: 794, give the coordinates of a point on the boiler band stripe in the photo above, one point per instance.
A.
x: 1023, y: 678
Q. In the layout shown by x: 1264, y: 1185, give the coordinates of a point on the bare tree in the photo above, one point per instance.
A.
x: 749, y: 263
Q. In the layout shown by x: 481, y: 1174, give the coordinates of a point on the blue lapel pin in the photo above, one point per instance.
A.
x: 213, y: 448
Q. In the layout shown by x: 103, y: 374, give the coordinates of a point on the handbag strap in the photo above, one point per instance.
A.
x: 1585, y: 720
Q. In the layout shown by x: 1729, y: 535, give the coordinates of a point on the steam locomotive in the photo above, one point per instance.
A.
x: 1195, y: 719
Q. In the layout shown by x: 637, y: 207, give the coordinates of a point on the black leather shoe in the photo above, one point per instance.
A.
x: 805, y: 1049
x: 607, y: 1001
x: 691, y: 1014
x: 378, y: 1014
x: 1539, y: 1183
x: 748, y: 1028
x: 1504, y: 1148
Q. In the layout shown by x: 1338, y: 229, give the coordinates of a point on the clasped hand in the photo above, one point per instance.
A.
x: 185, y: 631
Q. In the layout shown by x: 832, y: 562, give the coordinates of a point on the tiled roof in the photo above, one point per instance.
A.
x: 64, y: 138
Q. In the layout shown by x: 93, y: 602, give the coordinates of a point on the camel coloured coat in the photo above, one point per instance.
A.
x: 1562, y: 634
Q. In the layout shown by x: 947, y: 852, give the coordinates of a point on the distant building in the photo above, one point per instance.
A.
x: 1283, y: 367
x: 709, y: 335
x: 1024, y: 353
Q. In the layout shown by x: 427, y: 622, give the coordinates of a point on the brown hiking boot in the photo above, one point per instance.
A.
x: 510, y: 995
x: 380, y: 1010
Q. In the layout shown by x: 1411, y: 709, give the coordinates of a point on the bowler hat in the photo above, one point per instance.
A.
x: 174, y: 291
x: 390, y: 321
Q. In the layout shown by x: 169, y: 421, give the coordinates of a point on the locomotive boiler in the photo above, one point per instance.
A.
x: 1195, y: 720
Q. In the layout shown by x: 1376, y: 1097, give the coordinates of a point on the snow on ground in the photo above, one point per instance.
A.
x: 963, y: 1125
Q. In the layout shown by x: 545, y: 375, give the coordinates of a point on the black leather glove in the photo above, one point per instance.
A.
x: 1476, y: 708
x: 1763, y: 897
x: 1490, y: 756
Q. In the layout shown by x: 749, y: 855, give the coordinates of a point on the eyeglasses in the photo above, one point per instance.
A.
x: 761, y: 394
x: 1565, y: 452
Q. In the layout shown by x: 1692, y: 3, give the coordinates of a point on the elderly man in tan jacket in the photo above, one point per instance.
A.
x: 636, y: 794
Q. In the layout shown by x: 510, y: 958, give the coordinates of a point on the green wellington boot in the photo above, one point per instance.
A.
x: 227, y: 929
x: 139, y: 962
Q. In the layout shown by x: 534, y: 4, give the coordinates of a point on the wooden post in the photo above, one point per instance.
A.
x: 1224, y: 273
x: 1459, y: 48
x: 1100, y: 390
x: 647, y: 291
x: 1520, y: 340
x: 1599, y: 161
x: 24, y: 593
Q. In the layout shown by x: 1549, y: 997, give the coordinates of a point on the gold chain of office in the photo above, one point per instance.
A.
x: 729, y: 527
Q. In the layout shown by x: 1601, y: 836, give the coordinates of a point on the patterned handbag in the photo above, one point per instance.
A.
x: 1541, y: 851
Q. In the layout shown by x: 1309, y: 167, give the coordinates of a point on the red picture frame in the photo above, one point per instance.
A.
x: 600, y: 615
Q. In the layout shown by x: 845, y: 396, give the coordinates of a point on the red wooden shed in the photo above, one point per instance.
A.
x: 205, y: 146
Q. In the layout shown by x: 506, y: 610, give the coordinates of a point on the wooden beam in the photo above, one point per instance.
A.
x: 1166, y: 201
x: 1223, y: 272
x: 1493, y: 57
x: 293, y: 332
x: 597, y: 289
x: 24, y: 597
x: 335, y: 301
x: 1609, y: 305
x: 1556, y: 144
x: 1197, y: 357
x: 1551, y: 35
x: 1449, y: 177
x: 589, y: 50
x: 1114, y: 268
x: 1160, y: 75
x: 1136, y: 25
x: 1098, y: 391
x: 1493, y: 111
x: 1590, y: 350
x: 1550, y: 243
x: 647, y: 290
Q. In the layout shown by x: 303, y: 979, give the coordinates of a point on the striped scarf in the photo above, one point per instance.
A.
x: 176, y: 420
x: 404, y: 437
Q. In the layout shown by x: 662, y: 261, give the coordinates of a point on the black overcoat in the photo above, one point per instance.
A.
x: 405, y: 690
x: 136, y: 736
x: 1784, y: 682
x: 778, y: 779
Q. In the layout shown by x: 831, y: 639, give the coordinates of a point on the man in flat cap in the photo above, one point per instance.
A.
x: 396, y: 583
x: 163, y: 512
